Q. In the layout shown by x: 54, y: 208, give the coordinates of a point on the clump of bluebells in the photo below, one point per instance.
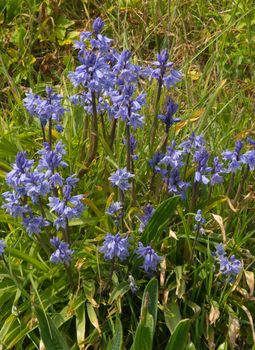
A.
x: 110, y: 88
x: 229, y: 267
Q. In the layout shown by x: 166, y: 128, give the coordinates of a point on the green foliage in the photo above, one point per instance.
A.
x: 187, y: 305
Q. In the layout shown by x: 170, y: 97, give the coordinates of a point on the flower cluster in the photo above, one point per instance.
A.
x: 200, y: 221
x: 192, y: 153
x: 148, y: 212
x: 33, y: 182
x: 46, y: 109
x: 164, y: 71
x: 115, y: 246
x: 62, y: 254
x: 121, y: 178
x: 229, y: 267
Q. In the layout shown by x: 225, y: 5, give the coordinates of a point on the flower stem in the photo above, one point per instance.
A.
x: 113, y: 132
x: 93, y: 133
x: 155, y: 121
x: 43, y: 133
x: 50, y: 132
x: 240, y: 187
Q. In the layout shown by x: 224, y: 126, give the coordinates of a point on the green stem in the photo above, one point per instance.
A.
x: 94, y: 132
x: 155, y: 121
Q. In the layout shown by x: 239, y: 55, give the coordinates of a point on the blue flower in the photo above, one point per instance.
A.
x: 148, y: 212
x: 229, y: 267
x: 98, y: 25
x: 63, y: 253
x: 2, y: 247
x: 47, y: 108
x: 113, y: 208
x: 201, y: 157
x: 171, y: 109
x: 217, y: 170
x: 233, y: 158
x: 134, y: 288
x: 200, y: 221
x: 163, y: 71
x: 115, y: 246
x: 249, y: 159
x: 151, y: 259
x: 120, y: 179
x: 34, y: 224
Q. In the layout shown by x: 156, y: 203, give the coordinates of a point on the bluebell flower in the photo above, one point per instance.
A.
x: 229, y: 267
x: 98, y: 25
x: 251, y: 141
x: 155, y: 159
x: 13, y: 204
x: 133, y: 286
x: 151, y: 259
x: 173, y: 157
x: 34, y: 224
x: 2, y: 247
x: 192, y: 143
x: 52, y: 159
x: 217, y: 170
x: 200, y: 221
x: 121, y: 178
x: 47, y: 108
x: 36, y: 185
x: 147, y: 214
x: 233, y: 158
x: 19, y: 170
x: 201, y: 157
x: 63, y: 253
x: 163, y: 71
x: 68, y: 208
x: 114, y: 208
x: 175, y: 184
x: 249, y: 159
x: 115, y: 246
x: 167, y: 118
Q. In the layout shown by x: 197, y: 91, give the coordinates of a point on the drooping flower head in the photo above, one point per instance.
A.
x: 150, y: 258
x: 115, y: 246
x: 121, y: 178
x: 148, y: 212
x: 63, y: 253
x: 200, y: 221
x: 229, y: 267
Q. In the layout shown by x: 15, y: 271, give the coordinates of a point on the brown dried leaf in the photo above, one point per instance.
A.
x: 233, y: 331
x: 219, y: 220
x: 172, y: 234
x: 249, y: 275
x: 250, y: 320
x: 231, y: 205
x: 214, y: 314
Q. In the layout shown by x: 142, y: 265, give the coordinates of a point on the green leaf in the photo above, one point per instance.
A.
x: 80, y: 323
x: 119, y: 291
x: 190, y: 346
x: 179, y: 338
x: 118, y: 336
x: 51, y: 336
x: 172, y: 315
x: 159, y: 220
x: 144, y: 335
x: 93, y: 317
x: 224, y: 346
x: 150, y: 300
x: 23, y: 256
